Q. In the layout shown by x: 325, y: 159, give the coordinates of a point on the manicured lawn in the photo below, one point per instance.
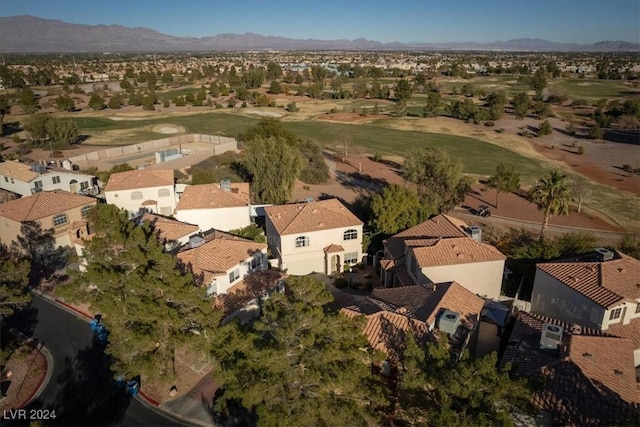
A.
x: 170, y: 94
x: 593, y: 89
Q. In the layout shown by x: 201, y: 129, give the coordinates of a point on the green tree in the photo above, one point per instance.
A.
x: 148, y: 304
x: 506, y: 180
x: 552, y: 194
x: 275, y: 87
x: 63, y: 132
x: 432, y: 106
x: 495, y: 101
x: 267, y: 128
x: 96, y: 102
x: 544, y: 128
x: 596, y: 132
x: 397, y: 208
x: 274, y: 167
x: 314, y: 168
x: 14, y: 282
x: 436, y: 389
x: 629, y: 244
x: 521, y: 103
x: 402, y: 91
x: 251, y: 232
x: 65, y: 103
x: 27, y: 100
x: 299, y: 364
x: 116, y: 101
x: 439, y: 178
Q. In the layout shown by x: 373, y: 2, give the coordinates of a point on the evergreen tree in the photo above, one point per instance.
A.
x: 439, y: 178
x: 521, y: 104
x: 148, y: 304
x: 65, y: 103
x: 96, y: 102
x: 506, y: 179
x: 14, y: 282
x: 299, y: 365
x: 27, y: 100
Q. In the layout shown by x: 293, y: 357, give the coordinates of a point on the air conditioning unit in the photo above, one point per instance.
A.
x: 475, y: 233
x: 551, y: 336
x: 196, y: 241
x: 604, y: 254
x: 449, y: 322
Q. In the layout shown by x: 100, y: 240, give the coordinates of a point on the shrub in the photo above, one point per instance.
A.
x: 489, y: 124
x: 340, y: 283
x: 501, y: 130
x: 16, y: 138
x: 333, y: 110
x: 627, y: 168
x: 306, y: 187
x: 377, y: 157
x: 574, y: 144
x: 580, y: 149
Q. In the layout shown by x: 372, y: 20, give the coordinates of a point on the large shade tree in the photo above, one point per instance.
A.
x: 506, y: 180
x: 14, y: 282
x: 149, y: 305
x: 552, y: 194
x: 439, y: 178
x: 298, y: 364
x: 397, y: 208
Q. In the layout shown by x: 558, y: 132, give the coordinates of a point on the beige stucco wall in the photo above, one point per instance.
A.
x: 482, y: 278
x: 122, y: 199
x: 305, y: 260
x: 552, y: 298
x: 224, y: 219
x: 222, y: 281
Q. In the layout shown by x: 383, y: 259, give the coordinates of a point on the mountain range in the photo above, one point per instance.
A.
x: 28, y: 34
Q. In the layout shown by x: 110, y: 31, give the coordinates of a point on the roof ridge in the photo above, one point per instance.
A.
x: 305, y: 205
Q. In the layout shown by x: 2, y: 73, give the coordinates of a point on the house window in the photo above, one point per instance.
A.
x: 638, y: 308
x: 351, y: 258
x: 84, y: 185
x: 166, y: 210
x: 163, y: 192
x: 85, y: 211
x: 615, y: 314
x: 60, y: 219
x: 350, y: 235
x: 6, y: 179
x: 256, y: 261
x: 212, y: 289
x: 37, y: 184
x: 234, y: 275
x: 56, y: 179
x: 136, y: 195
x: 302, y: 242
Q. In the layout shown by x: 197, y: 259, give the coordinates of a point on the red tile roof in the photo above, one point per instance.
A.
x: 606, y: 283
x: 20, y: 171
x: 456, y: 250
x: 168, y: 228
x: 253, y: 286
x: 139, y: 178
x: 307, y: 217
x: 333, y: 248
x: 391, y: 312
x: 210, y: 196
x: 43, y: 205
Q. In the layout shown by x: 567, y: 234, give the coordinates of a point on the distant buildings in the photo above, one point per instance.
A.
x: 25, y: 179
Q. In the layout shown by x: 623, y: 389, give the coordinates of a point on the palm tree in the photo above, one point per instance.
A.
x: 552, y: 195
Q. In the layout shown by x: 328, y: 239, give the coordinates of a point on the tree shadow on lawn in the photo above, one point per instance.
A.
x: 88, y: 393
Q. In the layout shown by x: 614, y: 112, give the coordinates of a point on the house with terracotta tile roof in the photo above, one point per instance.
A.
x: 588, y: 376
x: 426, y: 311
x: 442, y: 249
x: 26, y: 179
x: 222, y: 261
x: 224, y: 206
x: 63, y: 212
x: 173, y: 234
x: 321, y: 236
x: 244, y: 299
x: 142, y: 190
x: 600, y: 290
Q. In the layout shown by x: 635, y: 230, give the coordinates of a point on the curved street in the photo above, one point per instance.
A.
x: 81, y: 389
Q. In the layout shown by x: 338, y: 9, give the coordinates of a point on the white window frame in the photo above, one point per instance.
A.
x: 55, y: 179
x: 164, y: 192
x: 137, y: 195
x: 302, y: 242
x: 351, y: 258
x: 351, y: 234
x: 615, y: 313
x: 60, y: 216
x: 234, y: 275
x: 85, y: 211
x: 637, y: 308
x: 37, y: 184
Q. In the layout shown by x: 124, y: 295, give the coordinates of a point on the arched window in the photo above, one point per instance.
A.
x: 163, y: 192
x: 60, y: 219
x: 350, y: 234
x: 136, y: 195
x: 302, y: 241
x: 85, y: 211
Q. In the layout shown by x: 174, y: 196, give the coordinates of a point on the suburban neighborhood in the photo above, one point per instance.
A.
x: 248, y: 229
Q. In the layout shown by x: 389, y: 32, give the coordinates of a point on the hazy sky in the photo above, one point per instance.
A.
x: 584, y: 21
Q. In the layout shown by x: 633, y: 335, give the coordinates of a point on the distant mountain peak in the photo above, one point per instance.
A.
x: 26, y: 33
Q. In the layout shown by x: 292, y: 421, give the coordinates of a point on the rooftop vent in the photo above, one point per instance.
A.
x: 551, y: 336
x: 196, y: 241
x: 309, y: 200
x: 449, y: 322
x: 225, y: 185
x: 603, y: 254
x: 475, y: 233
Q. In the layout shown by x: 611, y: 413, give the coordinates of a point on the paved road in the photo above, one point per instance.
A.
x: 81, y: 390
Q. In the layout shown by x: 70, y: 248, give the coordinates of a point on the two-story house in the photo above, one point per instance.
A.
x: 223, y: 206
x: 142, y: 190
x: 427, y: 311
x: 60, y: 211
x: 600, y: 290
x: 173, y: 234
x: 25, y: 179
x: 223, y: 261
x: 321, y: 236
x: 443, y: 249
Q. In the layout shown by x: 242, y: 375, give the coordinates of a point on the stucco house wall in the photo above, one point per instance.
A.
x: 166, y: 203
x: 224, y: 219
